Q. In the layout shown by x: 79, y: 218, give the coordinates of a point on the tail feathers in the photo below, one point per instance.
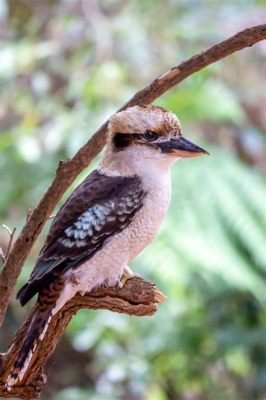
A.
x: 41, y: 276
x: 36, y: 331
x: 23, y: 294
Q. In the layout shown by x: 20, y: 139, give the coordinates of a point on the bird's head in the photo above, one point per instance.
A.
x: 148, y: 132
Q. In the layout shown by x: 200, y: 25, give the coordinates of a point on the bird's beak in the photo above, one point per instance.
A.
x: 181, y: 147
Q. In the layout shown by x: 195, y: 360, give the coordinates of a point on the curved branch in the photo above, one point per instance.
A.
x: 68, y: 170
x: 138, y: 297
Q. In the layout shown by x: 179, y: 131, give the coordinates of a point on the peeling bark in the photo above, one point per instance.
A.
x: 138, y: 297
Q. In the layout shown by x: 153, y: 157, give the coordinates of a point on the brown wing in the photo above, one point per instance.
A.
x: 98, y: 209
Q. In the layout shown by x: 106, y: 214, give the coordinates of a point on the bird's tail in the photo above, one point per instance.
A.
x: 46, y: 307
x: 36, y: 331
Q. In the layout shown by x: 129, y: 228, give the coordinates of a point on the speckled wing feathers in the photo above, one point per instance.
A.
x: 99, y: 208
x: 98, y: 222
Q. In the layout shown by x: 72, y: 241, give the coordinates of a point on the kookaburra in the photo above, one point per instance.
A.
x: 108, y: 220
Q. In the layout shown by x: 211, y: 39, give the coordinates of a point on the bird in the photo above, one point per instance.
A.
x: 108, y: 219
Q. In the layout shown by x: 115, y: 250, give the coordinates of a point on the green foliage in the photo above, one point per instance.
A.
x: 64, y: 68
x: 209, y: 268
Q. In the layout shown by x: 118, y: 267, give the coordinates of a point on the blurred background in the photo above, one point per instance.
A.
x: 65, y: 66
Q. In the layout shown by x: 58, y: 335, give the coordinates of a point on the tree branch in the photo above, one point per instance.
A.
x: 68, y: 170
x: 138, y: 297
x: 4, y: 256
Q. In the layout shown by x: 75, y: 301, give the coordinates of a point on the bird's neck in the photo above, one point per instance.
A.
x: 133, y: 162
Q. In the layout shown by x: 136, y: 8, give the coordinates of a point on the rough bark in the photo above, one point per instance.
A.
x: 68, y: 170
x: 138, y: 297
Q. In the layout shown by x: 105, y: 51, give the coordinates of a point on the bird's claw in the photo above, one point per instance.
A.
x: 127, y: 274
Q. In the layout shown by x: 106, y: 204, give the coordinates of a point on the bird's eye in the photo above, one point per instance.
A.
x: 150, y: 135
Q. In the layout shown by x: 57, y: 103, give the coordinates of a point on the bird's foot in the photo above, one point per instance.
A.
x: 127, y: 274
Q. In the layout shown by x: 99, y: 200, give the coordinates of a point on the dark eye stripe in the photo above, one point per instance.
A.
x: 123, y: 140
